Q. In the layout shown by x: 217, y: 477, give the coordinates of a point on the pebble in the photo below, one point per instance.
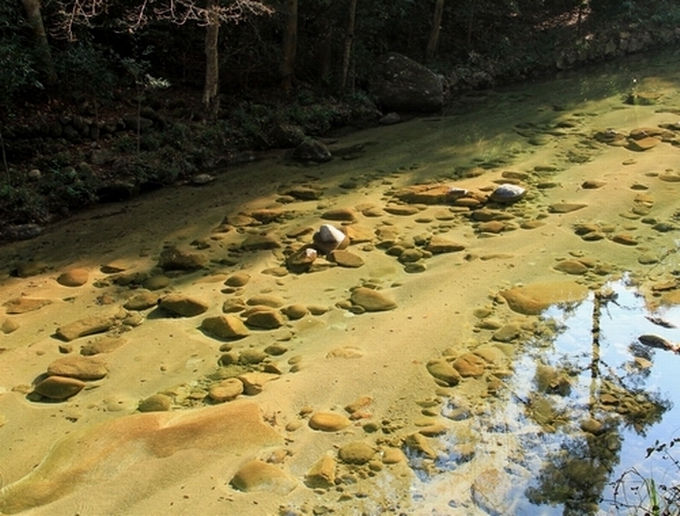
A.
x: 79, y: 367
x: 328, y: 422
x: 226, y: 390
x: 566, y: 207
x: 440, y: 245
x: 73, y: 278
x: 102, y: 345
x: 533, y: 299
x: 295, y: 311
x: 356, y: 453
x: 624, y: 239
x: 371, y: 300
x: 260, y: 243
x: 276, y: 349
x: 469, y: 365
x: 84, y: 327
x: 419, y: 443
x: 329, y: 238
x: 317, y: 310
x: 433, y: 430
x: 238, y: 279
x: 265, y: 319
x: 157, y: 282
x: 346, y: 258
x: 392, y: 455
x: 402, y: 210
x: 358, y: 404
x: 225, y: 327
x: 142, y: 301
x: 254, y: 382
x: 322, y: 473
x: 265, y: 300
x: 233, y: 305
x: 182, y: 305
x: 345, y: 352
x: 492, y: 226
x: 156, y: 403
x: 59, y: 387
x: 256, y: 475
x: 574, y: 267
x: 9, y: 326
x: 173, y: 258
x: 252, y: 356
x: 507, y: 333
x: 507, y: 193
x: 340, y: 214
x: 442, y: 370
x: 22, y: 305
x: 643, y: 144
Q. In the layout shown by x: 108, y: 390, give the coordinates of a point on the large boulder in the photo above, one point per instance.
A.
x: 403, y: 85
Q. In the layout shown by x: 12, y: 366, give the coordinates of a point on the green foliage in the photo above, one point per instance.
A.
x: 86, y: 70
x: 19, y: 75
x: 641, y: 493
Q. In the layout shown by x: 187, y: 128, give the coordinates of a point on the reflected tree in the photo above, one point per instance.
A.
x: 576, y: 474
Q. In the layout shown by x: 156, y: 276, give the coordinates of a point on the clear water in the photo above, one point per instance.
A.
x: 578, y: 470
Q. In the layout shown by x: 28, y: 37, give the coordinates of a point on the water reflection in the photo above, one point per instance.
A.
x: 595, y: 392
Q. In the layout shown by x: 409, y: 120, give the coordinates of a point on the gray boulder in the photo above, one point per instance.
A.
x: 312, y: 150
x: 403, y: 85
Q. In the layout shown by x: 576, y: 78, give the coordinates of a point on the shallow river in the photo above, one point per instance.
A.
x: 466, y: 354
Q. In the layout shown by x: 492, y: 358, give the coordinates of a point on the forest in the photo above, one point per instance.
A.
x: 101, y: 100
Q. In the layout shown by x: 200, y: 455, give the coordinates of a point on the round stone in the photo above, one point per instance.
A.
x: 155, y: 403
x: 225, y: 327
x: 73, y: 278
x: 237, y: 279
x: 226, y: 390
x: 356, y: 453
x: 295, y: 311
x: 328, y: 422
x: 256, y: 475
x: 371, y: 300
x: 507, y: 194
x: 59, y: 387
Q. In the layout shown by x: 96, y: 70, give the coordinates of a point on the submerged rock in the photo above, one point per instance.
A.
x: 73, y: 278
x: 371, y: 300
x: 322, y: 474
x: 328, y: 422
x: 79, y: 367
x: 22, y: 305
x: 507, y: 194
x: 184, y: 306
x: 225, y: 327
x: 533, y: 299
x: 256, y: 475
x: 59, y: 387
x: 312, y: 150
x: 84, y: 327
x: 173, y: 258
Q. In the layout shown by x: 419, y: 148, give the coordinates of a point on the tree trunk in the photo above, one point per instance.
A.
x: 211, y: 97
x: 324, y: 53
x: 349, y: 38
x: 471, y: 20
x: 289, y: 46
x: 434, y: 33
x: 34, y: 18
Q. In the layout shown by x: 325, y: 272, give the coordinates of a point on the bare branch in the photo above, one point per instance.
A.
x: 75, y: 13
